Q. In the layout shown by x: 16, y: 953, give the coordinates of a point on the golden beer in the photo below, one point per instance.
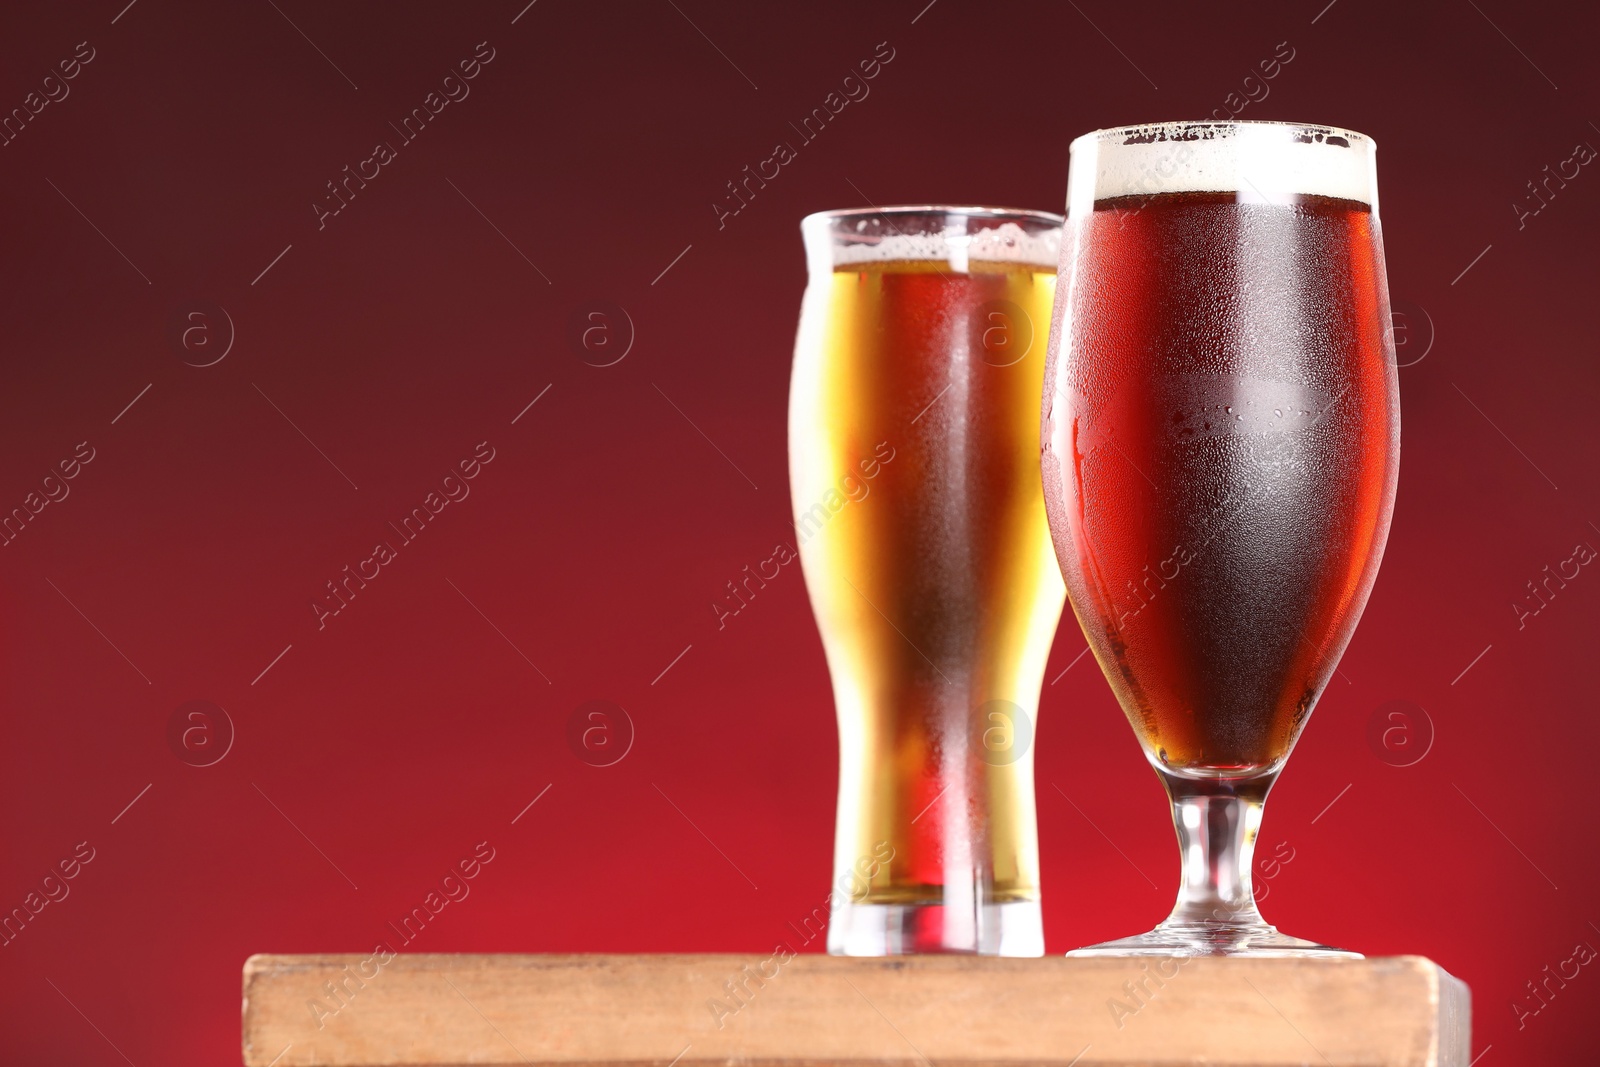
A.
x: 914, y: 469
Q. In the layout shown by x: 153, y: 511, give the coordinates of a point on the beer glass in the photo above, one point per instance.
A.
x: 1220, y: 441
x: 914, y: 469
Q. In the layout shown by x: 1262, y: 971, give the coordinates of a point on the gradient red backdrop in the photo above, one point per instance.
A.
x: 374, y: 349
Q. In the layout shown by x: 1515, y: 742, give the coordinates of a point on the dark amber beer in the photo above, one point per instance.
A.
x: 914, y: 438
x: 1221, y: 445
x: 1220, y: 442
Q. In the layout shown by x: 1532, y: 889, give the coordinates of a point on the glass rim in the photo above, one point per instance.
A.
x: 971, y: 211
x: 1355, y: 137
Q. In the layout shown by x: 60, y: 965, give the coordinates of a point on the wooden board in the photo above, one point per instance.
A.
x: 914, y: 1011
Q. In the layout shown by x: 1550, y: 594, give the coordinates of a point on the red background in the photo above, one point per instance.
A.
x: 408, y: 330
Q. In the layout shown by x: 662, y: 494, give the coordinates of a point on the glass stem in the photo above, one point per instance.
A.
x: 1216, y: 822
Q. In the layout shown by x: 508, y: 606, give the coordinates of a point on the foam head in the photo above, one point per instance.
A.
x: 955, y: 236
x: 1262, y: 161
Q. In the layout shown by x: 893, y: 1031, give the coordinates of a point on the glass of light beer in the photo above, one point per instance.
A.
x: 914, y: 470
x: 1221, y: 437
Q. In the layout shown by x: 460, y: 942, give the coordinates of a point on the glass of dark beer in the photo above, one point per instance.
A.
x: 919, y: 514
x: 1220, y: 441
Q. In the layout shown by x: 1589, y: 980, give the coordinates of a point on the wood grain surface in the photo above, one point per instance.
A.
x: 699, y: 1010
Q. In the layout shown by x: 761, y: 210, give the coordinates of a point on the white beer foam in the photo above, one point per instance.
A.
x: 1005, y: 243
x: 1271, y: 161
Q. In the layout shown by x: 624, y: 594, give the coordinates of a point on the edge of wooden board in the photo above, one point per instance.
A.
x: 695, y: 1010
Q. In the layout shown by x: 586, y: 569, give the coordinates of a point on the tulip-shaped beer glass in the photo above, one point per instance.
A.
x: 1221, y: 435
x: 914, y: 468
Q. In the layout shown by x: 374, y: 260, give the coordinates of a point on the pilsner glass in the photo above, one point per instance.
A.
x: 1221, y: 436
x: 914, y: 469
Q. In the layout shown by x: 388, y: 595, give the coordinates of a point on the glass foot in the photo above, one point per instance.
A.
x: 1216, y: 939
x: 1014, y: 928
